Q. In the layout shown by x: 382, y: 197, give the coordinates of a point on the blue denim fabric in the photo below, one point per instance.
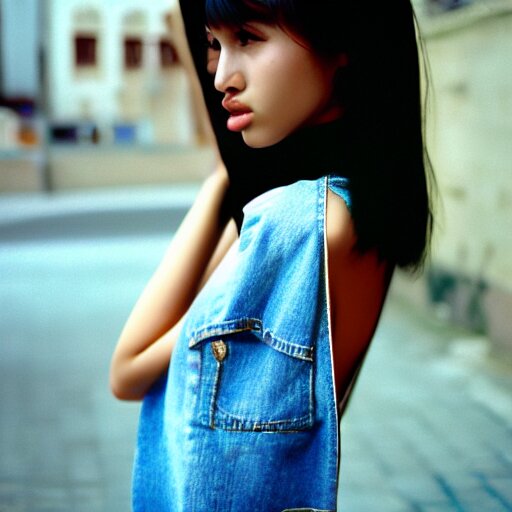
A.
x: 246, y: 418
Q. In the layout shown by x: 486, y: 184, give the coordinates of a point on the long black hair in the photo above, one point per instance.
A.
x: 381, y: 146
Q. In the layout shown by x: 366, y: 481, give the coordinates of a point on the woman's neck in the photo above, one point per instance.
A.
x: 310, y: 153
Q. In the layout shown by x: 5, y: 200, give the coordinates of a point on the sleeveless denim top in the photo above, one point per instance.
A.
x: 246, y: 418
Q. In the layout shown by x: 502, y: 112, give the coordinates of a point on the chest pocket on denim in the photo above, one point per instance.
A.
x: 252, y: 381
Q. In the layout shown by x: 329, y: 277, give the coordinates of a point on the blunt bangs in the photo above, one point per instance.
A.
x: 235, y: 13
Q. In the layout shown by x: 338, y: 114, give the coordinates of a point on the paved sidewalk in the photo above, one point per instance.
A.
x: 430, y: 424
x: 429, y: 427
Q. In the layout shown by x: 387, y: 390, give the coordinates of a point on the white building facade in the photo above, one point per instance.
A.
x: 111, y: 63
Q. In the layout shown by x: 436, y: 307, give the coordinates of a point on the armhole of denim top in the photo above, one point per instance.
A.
x: 341, y: 187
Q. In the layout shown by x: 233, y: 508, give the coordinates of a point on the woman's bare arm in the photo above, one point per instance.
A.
x: 144, y: 348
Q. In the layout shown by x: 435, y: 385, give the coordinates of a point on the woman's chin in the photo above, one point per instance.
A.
x: 258, y: 140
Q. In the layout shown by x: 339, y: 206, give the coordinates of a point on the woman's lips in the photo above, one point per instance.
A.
x: 239, y: 121
x: 241, y: 115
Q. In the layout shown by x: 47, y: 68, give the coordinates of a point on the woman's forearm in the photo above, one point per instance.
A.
x: 145, y: 345
x: 133, y: 375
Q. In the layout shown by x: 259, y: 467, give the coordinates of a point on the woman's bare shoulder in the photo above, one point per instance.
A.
x: 357, y: 287
x: 340, y: 231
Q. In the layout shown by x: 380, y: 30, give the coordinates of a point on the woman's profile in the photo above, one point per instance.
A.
x: 247, y: 341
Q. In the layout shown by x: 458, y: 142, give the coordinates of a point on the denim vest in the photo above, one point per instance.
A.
x: 246, y: 418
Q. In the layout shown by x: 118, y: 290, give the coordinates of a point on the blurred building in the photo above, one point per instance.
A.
x: 100, y: 70
x: 112, y: 68
x: 21, y: 158
x: 84, y: 85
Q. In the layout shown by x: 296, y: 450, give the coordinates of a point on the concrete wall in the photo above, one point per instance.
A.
x: 21, y: 171
x: 470, y: 142
x: 82, y: 168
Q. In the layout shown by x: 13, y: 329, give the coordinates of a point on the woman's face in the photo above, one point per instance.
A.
x: 272, y: 84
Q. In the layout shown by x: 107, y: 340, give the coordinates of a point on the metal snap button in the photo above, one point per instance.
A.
x: 220, y: 350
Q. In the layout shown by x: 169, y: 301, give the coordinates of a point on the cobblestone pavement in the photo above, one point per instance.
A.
x: 429, y: 427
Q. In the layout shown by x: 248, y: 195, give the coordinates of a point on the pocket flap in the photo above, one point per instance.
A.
x: 219, y: 329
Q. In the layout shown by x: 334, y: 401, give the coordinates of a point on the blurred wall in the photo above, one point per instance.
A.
x: 470, y: 136
x: 471, y: 145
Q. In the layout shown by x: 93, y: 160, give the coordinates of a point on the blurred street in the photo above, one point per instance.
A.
x: 429, y: 427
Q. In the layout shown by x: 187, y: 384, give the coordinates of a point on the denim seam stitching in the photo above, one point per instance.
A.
x: 246, y: 324
x: 289, y: 348
x: 213, y: 399
x: 333, y: 429
x: 302, y: 419
x: 306, y: 417
x: 307, y: 510
x: 299, y: 351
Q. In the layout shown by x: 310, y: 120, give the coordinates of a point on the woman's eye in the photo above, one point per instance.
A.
x: 244, y: 37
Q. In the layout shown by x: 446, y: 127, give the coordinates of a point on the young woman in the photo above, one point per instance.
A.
x: 247, y: 341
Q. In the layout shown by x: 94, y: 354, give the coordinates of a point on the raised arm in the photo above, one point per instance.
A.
x: 144, y: 348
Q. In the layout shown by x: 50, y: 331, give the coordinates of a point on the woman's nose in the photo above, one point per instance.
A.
x: 228, y: 75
